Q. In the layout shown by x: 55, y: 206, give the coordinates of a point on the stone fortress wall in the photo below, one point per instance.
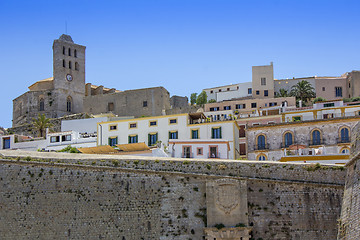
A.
x: 349, y: 223
x: 78, y: 196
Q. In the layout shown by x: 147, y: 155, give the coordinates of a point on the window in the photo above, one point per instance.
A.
x: 54, y: 139
x: 211, y: 91
x: 228, y: 89
x: 257, y: 92
x: 66, y: 138
x: 338, y: 91
x: 273, y: 104
x: 345, y: 151
x: 76, y: 66
x: 253, y: 105
x: 112, y: 127
x: 75, y: 53
x: 216, y: 133
x: 41, y: 104
x: 64, y: 65
x: 195, y: 134
x: 266, y: 93
x: 173, y: 135
x: 261, y: 157
x: 64, y: 50
x: 263, y: 81
x: 240, y: 106
x: 113, y: 141
x: 242, y: 131
x: 316, y: 137
x: 344, y: 135
x: 288, y: 139
x: 69, y: 51
x: 145, y: 104
x: 219, y: 90
x: 296, y: 118
x: 152, y: 123
x: 152, y: 139
x: 261, y: 142
x: 199, y: 151
x: 68, y: 104
x: 133, y: 139
x: 110, y: 106
x: 6, y: 143
x: 173, y: 121
x: 323, y: 88
x: 132, y: 125
x: 213, y: 109
x: 213, y: 152
x: 70, y: 65
x: 329, y: 105
x: 249, y: 90
x: 227, y: 107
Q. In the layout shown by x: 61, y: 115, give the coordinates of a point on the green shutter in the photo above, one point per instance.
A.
x: 156, y: 137
x: 212, y: 133
x: 169, y: 135
x: 128, y: 139
x: 109, y: 141
x: 220, y: 132
x: 116, y: 140
x: 149, y: 140
x: 136, y: 138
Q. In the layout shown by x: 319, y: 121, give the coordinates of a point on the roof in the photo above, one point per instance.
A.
x: 50, y: 79
x: 131, y: 147
x: 106, y: 149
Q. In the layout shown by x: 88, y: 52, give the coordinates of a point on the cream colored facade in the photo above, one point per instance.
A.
x: 152, y: 130
x: 263, y: 81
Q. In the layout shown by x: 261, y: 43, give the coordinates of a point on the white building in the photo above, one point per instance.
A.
x: 228, y: 92
x: 170, y: 128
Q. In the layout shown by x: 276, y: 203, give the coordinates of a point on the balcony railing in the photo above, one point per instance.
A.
x: 262, y: 146
x: 316, y: 142
x: 343, y: 140
x: 188, y: 155
x: 214, y: 155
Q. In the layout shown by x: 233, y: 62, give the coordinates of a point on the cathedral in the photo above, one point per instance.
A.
x: 66, y: 92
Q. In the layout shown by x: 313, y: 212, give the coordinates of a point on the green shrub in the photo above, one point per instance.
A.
x: 69, y: 149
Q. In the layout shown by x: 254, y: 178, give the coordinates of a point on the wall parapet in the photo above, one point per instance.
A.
x: 264, y: 170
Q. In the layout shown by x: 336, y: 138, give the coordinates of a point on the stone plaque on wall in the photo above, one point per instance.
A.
x: 226, y: 201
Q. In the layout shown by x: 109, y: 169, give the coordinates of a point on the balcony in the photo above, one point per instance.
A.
x: 316, y: 142
x: 343, y: 140
x: 262, y: 146
x: 214, y: 155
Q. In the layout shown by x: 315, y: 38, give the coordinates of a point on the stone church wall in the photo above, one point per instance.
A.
x: 62, y: 196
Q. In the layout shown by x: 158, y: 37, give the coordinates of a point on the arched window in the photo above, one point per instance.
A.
x: 41, y: 104
x: 261, y: 142
x: 345, y: 151
x: 68, y: 104
x: 288, y: 139
x: 261, y: 157
x: 64, y: 50
x: 63, y: 62
x: 75, y: 53
x: 316, y: 137
x: 344, y: 135
x: 70, y: 64
x: 69, y: 51
x: 77, y: 66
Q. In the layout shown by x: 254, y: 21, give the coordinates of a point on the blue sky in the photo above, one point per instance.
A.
x: 183, y: 45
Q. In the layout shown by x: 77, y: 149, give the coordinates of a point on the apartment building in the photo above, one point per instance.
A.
x: 190, y: 130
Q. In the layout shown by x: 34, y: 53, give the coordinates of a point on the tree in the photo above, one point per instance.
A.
x: 319, y: 99
x: 282, y: 93
x: 193, y: 97
x: 303, y: 91
x: 40, y: 124
x: 201, y: 99
x: 212, y: 101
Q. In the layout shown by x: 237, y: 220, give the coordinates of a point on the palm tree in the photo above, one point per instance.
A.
x: 282, y: 93
x: 40, y: 124
x: 303, y: 91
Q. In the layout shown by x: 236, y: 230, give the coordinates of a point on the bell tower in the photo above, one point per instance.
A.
x: 69, y: 76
